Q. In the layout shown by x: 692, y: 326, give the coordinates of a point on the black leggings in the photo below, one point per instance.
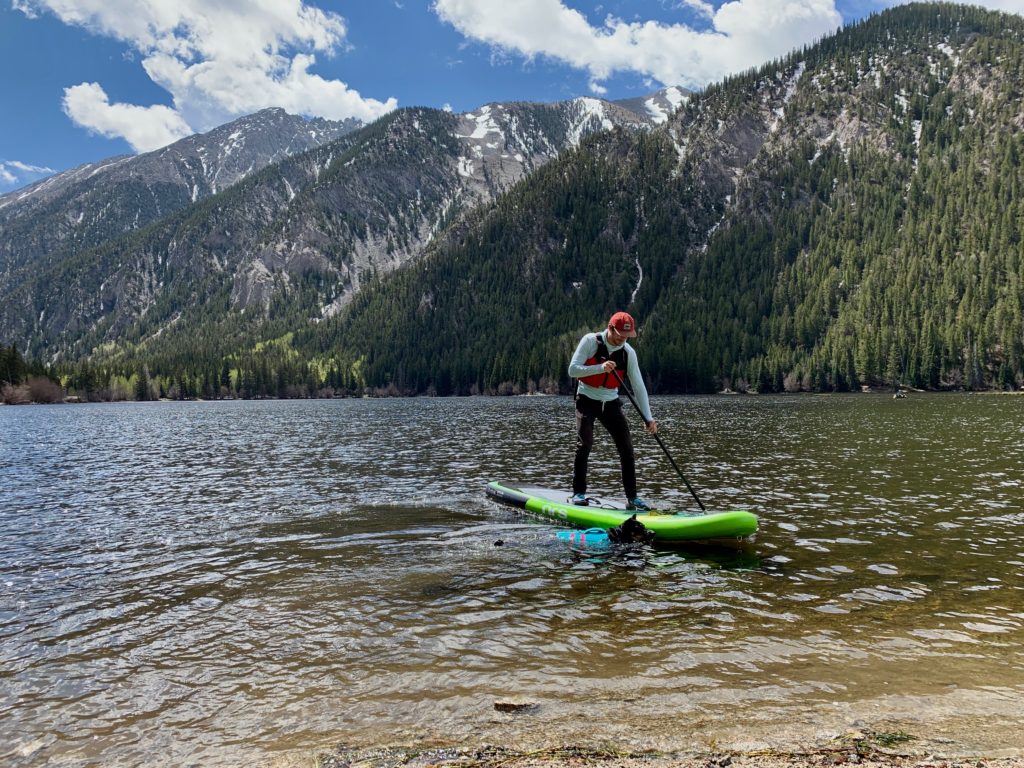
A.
x: 614, y: 420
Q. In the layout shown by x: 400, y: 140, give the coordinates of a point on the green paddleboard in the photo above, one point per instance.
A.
x: 667, y: 526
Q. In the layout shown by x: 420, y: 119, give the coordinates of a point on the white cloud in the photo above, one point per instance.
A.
x: 14, y: 173
x: 218, y: 60
x: 742, y: 34
x: 25, y: 6
x: 27, y: 168
x: 145, y: 128
x: 701, y: 7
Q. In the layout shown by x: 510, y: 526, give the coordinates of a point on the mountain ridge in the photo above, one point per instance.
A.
x: 75, y: 210
x: 360, y: 206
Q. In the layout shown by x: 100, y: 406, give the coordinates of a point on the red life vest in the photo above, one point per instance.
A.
x: 606, y: 379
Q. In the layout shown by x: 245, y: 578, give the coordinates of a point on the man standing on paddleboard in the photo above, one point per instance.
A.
x: 597, y: 364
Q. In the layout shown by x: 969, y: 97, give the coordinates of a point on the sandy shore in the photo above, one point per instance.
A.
x: 860, y: 748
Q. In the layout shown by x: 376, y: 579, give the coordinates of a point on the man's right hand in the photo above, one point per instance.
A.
x: 608, y: 365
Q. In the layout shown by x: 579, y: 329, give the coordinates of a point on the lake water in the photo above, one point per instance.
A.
x: 219, y: 583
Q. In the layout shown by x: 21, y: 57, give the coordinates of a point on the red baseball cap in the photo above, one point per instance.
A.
x: 624, y: 323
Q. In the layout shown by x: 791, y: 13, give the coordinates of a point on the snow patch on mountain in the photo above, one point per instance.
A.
x: 593, y: 116
x: 661, y: 105
x: 787, y: 96
x: 484, y: 123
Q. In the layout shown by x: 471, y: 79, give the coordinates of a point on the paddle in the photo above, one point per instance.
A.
x: 658, y: 438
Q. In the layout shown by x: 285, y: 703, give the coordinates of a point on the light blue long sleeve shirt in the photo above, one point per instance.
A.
x: 578, y: 369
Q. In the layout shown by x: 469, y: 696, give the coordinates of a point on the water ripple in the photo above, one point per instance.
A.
x: 222, y: 582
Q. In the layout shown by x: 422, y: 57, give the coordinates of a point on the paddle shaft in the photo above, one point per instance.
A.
x: 657, y: 437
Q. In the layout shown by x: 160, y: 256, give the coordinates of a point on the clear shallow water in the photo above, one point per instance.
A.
x: 247, y: 581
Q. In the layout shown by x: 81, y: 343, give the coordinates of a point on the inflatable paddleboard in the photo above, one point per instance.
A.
x: 667, y: 526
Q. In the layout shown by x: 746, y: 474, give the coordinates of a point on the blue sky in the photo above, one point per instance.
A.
x: 88, y: 79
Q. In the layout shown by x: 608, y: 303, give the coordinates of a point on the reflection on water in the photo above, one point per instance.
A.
x: 221, y: 582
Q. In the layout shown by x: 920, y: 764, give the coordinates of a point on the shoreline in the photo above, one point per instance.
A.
x: 854, y: 748
x: 76, y: 400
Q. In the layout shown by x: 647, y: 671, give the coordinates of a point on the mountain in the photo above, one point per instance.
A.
x: 295, y: 241
x: 86, y: 206
x: 848, y: 216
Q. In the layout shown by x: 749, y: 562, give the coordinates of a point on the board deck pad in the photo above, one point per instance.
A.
x: 561, y: 495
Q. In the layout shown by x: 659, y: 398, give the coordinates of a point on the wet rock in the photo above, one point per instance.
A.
x: 516, y: 706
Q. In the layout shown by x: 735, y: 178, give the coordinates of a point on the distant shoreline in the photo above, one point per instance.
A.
x: 74, y: 400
